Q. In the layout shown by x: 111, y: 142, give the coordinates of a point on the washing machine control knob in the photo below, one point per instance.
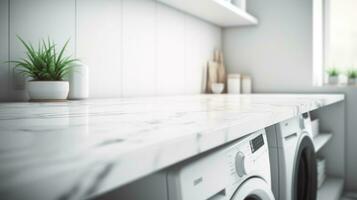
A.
x: 240, y: 166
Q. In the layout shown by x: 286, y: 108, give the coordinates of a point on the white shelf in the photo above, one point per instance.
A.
x: 331, y: 189
x: 219, y: 12
x: 321, y: 140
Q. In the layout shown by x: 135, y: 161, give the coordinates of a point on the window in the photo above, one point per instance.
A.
x: 335, y: 38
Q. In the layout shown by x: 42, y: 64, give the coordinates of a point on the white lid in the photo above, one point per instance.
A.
x: 246, y: 77
x: 233, y: 75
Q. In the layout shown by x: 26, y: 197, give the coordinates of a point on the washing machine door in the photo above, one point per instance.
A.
x: 253, y: 189
x: 305, y: 171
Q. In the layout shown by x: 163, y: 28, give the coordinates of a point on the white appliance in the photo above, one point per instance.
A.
x: 293, y: 159
x: 239, y: 171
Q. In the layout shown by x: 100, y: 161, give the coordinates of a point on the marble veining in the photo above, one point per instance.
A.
x: 78, y: 149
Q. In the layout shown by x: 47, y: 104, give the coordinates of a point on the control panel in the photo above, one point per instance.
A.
x: 242, y: 156
x: 256, y: 143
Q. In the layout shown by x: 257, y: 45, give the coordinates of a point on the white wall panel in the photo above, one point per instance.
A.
x: 171, y: 51
x: 4, y: 37
x: 139, y: 47
x: 201, y: 39
x: 132, y: 47
x: 39, y: 19
x: 99, y: 44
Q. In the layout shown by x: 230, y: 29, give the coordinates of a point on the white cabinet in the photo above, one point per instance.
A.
x: 219, y: 12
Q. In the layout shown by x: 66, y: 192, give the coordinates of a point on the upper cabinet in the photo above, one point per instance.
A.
x: 220, y: 12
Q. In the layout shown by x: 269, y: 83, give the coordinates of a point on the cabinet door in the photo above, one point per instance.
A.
x: 151, y: 187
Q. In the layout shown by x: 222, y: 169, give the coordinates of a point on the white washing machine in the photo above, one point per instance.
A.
x: 293, y: 159
x: 239, y: 171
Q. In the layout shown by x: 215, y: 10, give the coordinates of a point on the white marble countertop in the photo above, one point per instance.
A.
x: 74, y: 150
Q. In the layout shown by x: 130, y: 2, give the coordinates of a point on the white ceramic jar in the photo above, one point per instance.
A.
x: 246, y: 85
x: 79, y: 82
x: 233, y: 82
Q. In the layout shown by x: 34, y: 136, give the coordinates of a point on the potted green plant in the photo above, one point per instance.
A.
x: 333, y: 74
x: 351, y: 76
x: 47, y: 70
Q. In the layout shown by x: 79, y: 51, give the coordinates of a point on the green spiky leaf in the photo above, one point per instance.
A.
x: 44, y: 64
x: 333, y: 72
x: 352, y: 73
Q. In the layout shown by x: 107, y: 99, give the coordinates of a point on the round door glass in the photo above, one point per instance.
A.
x: 253, y: 197
x: 253, y: 189
x: 305, y: 187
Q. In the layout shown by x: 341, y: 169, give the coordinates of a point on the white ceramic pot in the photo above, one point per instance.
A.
x: 352, y: 81
x: 333, y: 80
x: 48, y: 90
x: 217, y: 88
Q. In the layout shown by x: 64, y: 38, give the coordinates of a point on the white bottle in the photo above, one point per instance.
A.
x: 233, y: 83
x: 246, y: 85
x: 79, y: 82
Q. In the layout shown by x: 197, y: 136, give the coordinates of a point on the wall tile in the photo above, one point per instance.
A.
x: 34, y: 20
x: 4, y: 52
x: 99, y: 44
x: 171, y: 51
x: 139, y: 47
